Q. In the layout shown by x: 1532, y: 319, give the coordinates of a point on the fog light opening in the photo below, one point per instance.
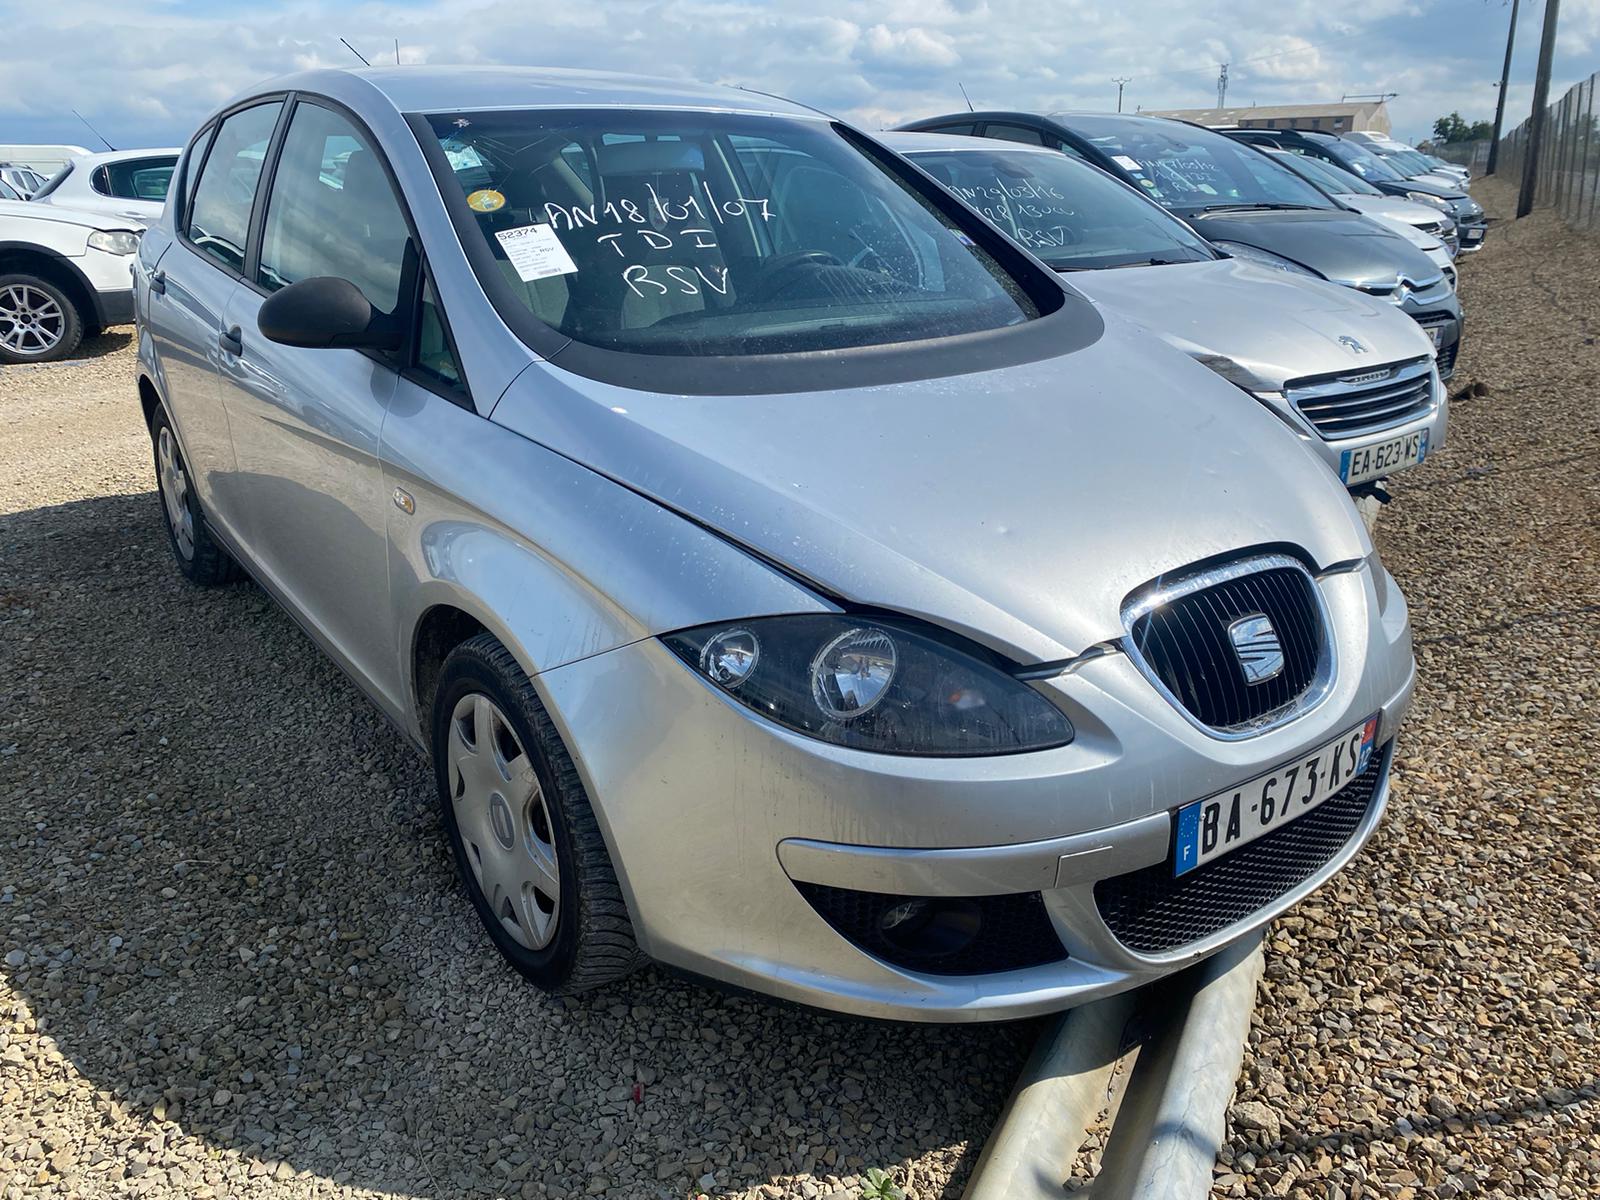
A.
x: 931, y: 927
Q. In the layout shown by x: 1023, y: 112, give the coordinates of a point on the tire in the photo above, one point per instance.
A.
x: 201, y: 559
x: 567, y: 932
x: 38, y: 321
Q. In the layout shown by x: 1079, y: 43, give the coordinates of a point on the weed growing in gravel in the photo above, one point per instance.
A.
x: 879, y: 1186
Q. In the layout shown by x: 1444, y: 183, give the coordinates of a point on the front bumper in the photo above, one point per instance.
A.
x: 113, y: 308
x: 714, y: 816
x: 1436, y: 421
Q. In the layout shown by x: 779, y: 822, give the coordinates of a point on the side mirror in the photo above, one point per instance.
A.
x: 326, y: 313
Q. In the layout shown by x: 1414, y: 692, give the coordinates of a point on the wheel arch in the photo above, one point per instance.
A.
x: 54, y: 268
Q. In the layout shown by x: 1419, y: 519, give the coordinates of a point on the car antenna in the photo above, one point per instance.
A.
x: 91, y: 128
x: 356, y: 52
x: 964, y: 95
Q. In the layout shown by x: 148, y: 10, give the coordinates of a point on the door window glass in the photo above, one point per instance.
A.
x: 435, y: 358
x: 1013, y: 133
x: 136, y: 178
x: 332, y: 211
x: 219, y: 217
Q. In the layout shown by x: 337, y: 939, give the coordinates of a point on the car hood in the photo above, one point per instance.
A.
x: 1018, y: 506
x: 1342, y: 246
x: 40, y: 211
x: 1256, y: 326
x: 1408, y: 211
x: 1443, y: 191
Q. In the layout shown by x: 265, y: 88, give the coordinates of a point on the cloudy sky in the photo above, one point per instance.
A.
x: 145, y: 71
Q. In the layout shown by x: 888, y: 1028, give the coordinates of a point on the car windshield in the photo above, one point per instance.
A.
x: 1193, y: 170
x: 704, y: 233
x: 1325, y: 175
x: 1360, y: 161
x: 1411, y: 163
x: 1069, y: 214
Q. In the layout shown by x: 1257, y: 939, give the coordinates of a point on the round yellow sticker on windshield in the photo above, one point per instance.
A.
x: 486, y: 200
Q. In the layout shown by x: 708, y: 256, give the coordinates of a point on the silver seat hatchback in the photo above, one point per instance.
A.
x: 791, y: 579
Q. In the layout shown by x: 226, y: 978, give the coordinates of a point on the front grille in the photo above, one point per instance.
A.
x: 1180, y: 637
x: 1362, y: 402
x: 1151, y: 911
x: 1001, y: 933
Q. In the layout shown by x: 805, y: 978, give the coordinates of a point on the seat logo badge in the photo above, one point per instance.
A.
x: 404, y: 502
x: 1256, y: 645
x: 1354, y: 345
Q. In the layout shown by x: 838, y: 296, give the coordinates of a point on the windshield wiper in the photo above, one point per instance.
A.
x: 1262, y: 205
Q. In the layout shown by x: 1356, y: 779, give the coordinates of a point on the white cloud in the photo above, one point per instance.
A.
x: 152, y: 68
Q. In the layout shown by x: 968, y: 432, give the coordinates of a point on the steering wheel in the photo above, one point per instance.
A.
x: 772, y: 271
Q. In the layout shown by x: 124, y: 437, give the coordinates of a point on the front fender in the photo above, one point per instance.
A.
x: 558, y: 562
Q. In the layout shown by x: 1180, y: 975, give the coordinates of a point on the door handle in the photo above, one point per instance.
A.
x: 158, y: 283
x: 231, y: 341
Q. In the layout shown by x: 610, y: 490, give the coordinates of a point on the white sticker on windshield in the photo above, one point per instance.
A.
x: 535, y: 252
x: 1126, y: 163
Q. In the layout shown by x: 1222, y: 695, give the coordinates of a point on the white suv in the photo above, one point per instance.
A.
x: 63, y: 274
x: 130, y: 184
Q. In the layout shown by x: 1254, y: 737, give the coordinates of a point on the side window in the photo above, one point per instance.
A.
x: 332, y: 211
x: 965, y: 129
x: 136, y: 178
x: 219, y: 215
x: 1068, y: 149
x: 436, y: 357
x: 1013, y: 133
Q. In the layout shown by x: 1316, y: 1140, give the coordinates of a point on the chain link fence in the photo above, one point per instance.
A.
x: 1569, y: 163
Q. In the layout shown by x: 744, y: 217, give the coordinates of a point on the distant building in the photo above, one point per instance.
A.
x: 1329, y: 118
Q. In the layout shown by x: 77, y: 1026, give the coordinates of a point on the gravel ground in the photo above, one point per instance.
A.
x: 1427, y: 1026
x: 236, y: 961
x: 191, y: 1003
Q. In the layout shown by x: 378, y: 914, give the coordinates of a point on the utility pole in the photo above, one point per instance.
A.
x: 1222, y: 87
x: 1541, y: 100
x: 1500, y: 103
x: 1121, y: 81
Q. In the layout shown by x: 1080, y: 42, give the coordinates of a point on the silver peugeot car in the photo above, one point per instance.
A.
x: 1351, y: 375
x: 791, y: 579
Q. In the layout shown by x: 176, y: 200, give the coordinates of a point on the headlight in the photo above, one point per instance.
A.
x: 1430, y: 201
x: 886, y: 684
x: 115, y: 241
x: 1266, y: 258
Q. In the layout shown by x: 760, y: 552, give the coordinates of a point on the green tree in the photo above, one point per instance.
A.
x: 1454, y: 129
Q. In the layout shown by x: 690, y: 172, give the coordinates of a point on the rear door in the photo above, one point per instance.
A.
x: 306, y: 423
x: 191, y: 286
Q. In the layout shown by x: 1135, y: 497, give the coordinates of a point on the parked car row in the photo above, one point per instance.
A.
x: 66, y: 245
x: 899, y: 573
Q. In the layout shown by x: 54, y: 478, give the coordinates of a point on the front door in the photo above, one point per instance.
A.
x: 307, y: 423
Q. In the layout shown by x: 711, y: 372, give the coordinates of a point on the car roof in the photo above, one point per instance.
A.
x: 114, y: 156
x: 421, y: 89
x: 912, y: 141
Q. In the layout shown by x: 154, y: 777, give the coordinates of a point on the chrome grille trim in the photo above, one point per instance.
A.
x: 1361, y: 402
x: 1161, y: 592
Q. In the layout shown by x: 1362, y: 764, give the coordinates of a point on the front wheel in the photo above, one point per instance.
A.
x: 525, y: 838
x: 38, y: 321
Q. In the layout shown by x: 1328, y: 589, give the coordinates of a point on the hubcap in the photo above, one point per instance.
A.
x: 504, y: 821
x: 175, y: 492
x: 31, y: 322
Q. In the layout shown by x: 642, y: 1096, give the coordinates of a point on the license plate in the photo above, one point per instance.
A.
x: 1436, y: 332
x: 1384, y: 458
x: 1210, y: 828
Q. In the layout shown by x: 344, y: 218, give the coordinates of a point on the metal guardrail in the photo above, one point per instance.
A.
x: 1161, y: 1062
